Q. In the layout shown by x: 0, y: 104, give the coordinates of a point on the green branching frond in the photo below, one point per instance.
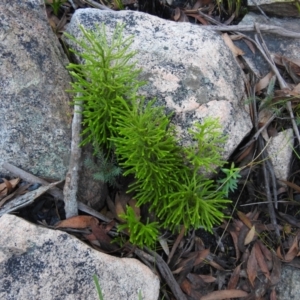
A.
x: 230, y: 182
x: 196, y: 204
x: 105, y: 169
x: 148, y: 151
x: 171, y: 179
x: 106, y: 78
x: 206, y: 152
x: 140, y: 234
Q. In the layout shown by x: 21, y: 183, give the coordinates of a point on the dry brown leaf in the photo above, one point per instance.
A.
x: 276, y: 271
x: 186, y: 287
x: 177, y: 271
x: 296, y: 89
x: 234, y: 49
x: 235, y: 242
x: 250, y: 45
x: 121, y: 200
x: 199, y: 18
x: 224, y: 294
x: 293, y: 251
x: 201, y: 256
x: 264, y: 82
x: 137, y: 210
x: 236, y: 37
x: 292, y: 66
x: 244, y: 219
x: 7, y: 186
x: 110, y: 225
x: 266, y: 252
x: 207, y: 278
x: 252, y: 267
x: 177, y: 14
x: 241, y: 238
x: 289, y: 219
x: 261, y: 260
x: 273, y: 294
x: 197, y: 4
x: 264, y: 116
x: 105, y: 240
x: 180, y: 16
x: 215, y: 265
x: 291, y: 185
x: 175, y: 245
x: 278, y: 252
x: 250, y: 236
x: 78, y: 222
x: 246, y: 154
x: 196, y: 281
x: 19, y: 191
x: 164, y: 244
x: 234, y: 278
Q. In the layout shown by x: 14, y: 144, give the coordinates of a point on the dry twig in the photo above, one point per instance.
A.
x: 71, y: 183
x: 54, y: 191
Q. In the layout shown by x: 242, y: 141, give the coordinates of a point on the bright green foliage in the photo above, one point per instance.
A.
x: 197, y: 203
x: 105, y: 169
x: 55, y: 4
x: 230, y: 182
x: 146, y: 150
x: 140, y: 234
x: 205, y: 154
x: 99, y: 291
x: 169, y: 178
x: 103, y: 82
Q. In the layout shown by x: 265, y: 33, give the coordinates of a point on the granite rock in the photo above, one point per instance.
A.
x: 35, y: 110
x: 189, y: 70
x: 40, y: 263
x: 35, y: 115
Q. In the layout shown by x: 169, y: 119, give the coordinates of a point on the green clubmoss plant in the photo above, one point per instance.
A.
x: 140, y: 234
x: 106, y: 82
x: 230, y: 182
x: 55, y: 4
x: 206, y: 152
x: 169, y: 178
x: 105, y: 169
x: 147, y: 150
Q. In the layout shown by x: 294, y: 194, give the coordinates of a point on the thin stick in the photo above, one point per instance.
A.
x: 248, y: 28
x: 71, y: 183
x: 271, y: 209
x: 283, y: 85
x: 54, y: 191
x: 168, y: 276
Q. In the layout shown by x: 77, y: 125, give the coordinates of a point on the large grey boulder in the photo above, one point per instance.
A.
x: 35, y: 110
x: 35, y: 115
x: 39, y: 263
x: 189, y: 70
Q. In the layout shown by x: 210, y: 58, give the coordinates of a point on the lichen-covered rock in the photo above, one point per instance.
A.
x: 188, y: 69
x: 35, y: 115
x: 39, y: 263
